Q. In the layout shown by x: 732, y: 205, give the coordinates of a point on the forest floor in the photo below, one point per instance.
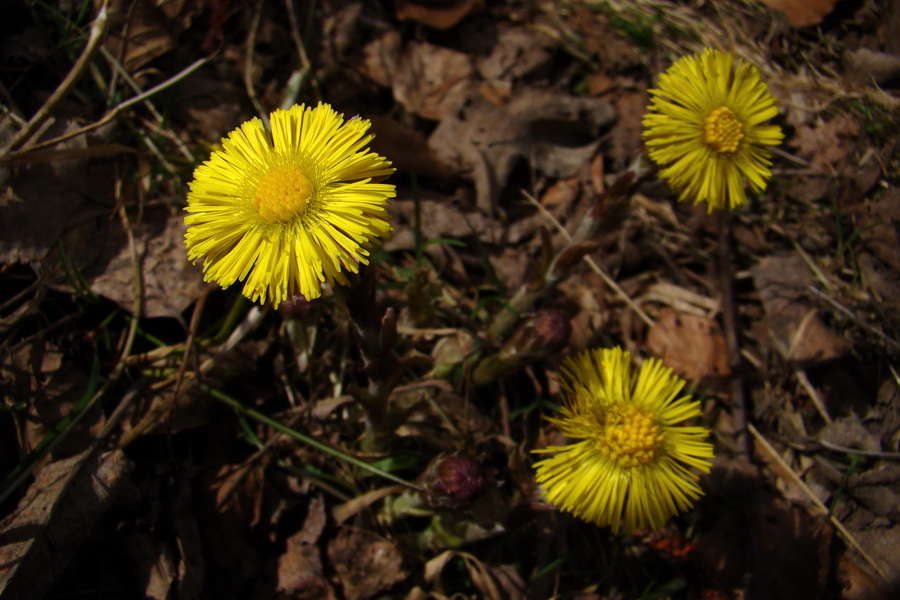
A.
x: 163, y: 438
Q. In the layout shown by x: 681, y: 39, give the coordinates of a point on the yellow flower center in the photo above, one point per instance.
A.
x: 282, y: 193
x: 630, y: 437
x: 722, y: 130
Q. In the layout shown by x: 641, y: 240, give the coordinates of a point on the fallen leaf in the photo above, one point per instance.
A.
x: 407, y: 148
x: 54, y: 520
x: 746, y: 524
x: 440, y: 14
x: 365, y: 563
x: 795, y: 329
x: 692, y: 345
x: 426, y: 79
x: 555, y: 132
x: 518, y: 52
x: 802, y: 13
x: 828, y: 142
x: 300, y: 572
x: 170, y: 282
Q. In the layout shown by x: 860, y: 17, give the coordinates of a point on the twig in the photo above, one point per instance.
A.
x: 629, y: 301
x: 853, y: 317
x: 813, y: 394
x: 112, y: 113
x: 98, y: 29
x: 848, y: 537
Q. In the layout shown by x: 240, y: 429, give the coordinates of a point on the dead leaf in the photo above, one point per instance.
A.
x: 426, y: 79
x: 365, y: 563
x: 828, y: 142
x: 802, y: 13
x: 440, y: 14
x: 155, y: 561
x: 300, y: 573
x: 494, y: 582
x: 556, y: 133
x: 170, y: 282
x: 143, y: 30
x: 54, y: 519
x: 407, y: 148
x: 858, y: 582
x: 518, y: 52
x: 794, y: 326
x: 692, y: 345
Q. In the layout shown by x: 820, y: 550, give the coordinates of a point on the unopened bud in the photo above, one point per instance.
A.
x: 452, y: 480
x: 539, y: 336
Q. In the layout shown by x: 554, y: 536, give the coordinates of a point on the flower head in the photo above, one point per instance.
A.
x: 630, y: 468
x: 288, y: 208
x: 706, y: 129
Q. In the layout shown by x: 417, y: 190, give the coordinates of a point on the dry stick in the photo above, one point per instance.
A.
x: 113, y: 378
x: 594, y: 266
x: 729, y: 318
x: 109, y: 116
x: 98, y: 29
x: 848, y: 537
x: 248, y: 63
x: 120, y: 69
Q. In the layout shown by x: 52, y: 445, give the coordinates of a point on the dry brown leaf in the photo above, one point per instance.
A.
x: 440, y: 14
x: 518, y: 52
x: 858, y: 582
x: 143, y: 30
x: 555, y: 132
x: 54, y: 520
x: 38, y: 375
x: 794, y: 327
x: 170, y: 282
x: 802, y: 12
x: 693, y: 346
x: 428, y: 80
x: 828, y: 142
x: 407, y: 148
x: 300, y: 573
x: 494, y: 582
x: 365, y: 563
x: 156, y: 562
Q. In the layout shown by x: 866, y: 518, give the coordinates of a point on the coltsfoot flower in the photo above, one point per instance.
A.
x: 631, y: 468
x: 287, y: 209
x: 706, y: 128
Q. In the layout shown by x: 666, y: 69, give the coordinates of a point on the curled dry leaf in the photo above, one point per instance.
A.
x: 440, y: 14
x: 802, y: 13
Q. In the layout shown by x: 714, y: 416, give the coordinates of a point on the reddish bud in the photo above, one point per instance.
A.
x: 452, y: 480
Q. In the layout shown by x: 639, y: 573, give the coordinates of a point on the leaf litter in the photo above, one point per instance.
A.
x: 503, y: 120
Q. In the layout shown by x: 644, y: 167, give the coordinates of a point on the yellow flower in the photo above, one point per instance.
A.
x: 288, y: 208
x: 705, y: 127
x: 631, y: 469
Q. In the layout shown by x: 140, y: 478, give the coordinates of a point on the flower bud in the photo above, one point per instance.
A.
x: 540, y: 335
x: 452, y: 480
